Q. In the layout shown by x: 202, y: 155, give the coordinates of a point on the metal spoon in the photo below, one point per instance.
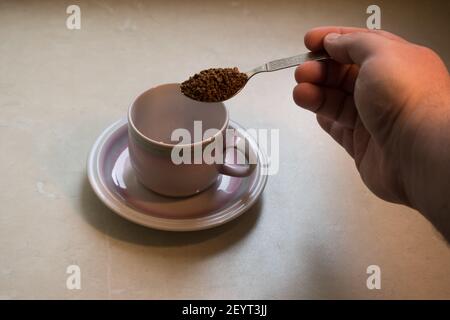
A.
x: 287, y: 63
x: 278, y: 65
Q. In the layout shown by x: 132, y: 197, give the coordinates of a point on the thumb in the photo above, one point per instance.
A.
x: 354, y: 47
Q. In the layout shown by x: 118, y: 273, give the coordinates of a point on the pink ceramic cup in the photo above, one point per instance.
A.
x: 152, y: 118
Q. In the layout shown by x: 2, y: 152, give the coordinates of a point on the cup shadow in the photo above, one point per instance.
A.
x: 108, y: 222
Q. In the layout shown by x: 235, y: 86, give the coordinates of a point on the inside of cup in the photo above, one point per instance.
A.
x: 163, y: 109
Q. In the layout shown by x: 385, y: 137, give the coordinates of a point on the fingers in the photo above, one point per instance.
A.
x: 328, y: 73
x: 353, y: 47
x: 314, y: 37
x: 312, y: 71
x: 331, y: 103
x: 348, y: 45
x: 341, y: 134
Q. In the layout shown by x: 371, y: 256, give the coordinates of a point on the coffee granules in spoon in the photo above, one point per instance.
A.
x: 214, y: 85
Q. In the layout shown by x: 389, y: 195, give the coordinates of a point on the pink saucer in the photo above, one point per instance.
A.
x: 114, y: 182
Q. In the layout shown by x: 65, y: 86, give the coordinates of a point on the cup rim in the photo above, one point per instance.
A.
x: 171, y: 145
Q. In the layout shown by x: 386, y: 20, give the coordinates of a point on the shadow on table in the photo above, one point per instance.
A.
x: 108, y: 222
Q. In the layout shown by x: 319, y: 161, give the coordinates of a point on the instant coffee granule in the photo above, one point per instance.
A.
x: 214, y: 85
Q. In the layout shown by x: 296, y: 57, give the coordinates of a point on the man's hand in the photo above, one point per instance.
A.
x: 387, y: 102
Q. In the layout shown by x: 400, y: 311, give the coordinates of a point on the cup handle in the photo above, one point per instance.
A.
x: 239, y: 170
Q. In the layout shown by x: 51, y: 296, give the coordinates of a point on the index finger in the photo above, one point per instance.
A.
x: 314, y: 37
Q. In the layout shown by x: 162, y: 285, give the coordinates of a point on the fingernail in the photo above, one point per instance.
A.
x: 332, y: 36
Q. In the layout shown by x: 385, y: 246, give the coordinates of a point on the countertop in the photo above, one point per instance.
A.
x: 314, y: 231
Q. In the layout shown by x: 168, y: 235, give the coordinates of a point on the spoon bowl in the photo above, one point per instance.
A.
x: 278, y: 65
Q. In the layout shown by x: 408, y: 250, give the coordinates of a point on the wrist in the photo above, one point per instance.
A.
x: 426, y: 173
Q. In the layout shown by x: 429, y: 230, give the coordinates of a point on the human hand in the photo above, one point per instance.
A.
x: 387, y: 102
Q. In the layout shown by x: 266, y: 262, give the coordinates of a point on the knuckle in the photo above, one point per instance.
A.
x: 428, y: 52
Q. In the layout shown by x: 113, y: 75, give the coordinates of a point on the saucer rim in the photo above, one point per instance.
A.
x: 120, y: 207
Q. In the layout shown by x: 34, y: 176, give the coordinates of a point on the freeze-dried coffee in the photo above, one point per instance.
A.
x: 215, y: 84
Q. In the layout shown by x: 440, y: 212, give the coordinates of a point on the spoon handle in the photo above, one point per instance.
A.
x: 295, y: 60
x: 289, y: 62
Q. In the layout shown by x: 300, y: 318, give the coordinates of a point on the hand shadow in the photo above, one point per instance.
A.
x: 108, y: 222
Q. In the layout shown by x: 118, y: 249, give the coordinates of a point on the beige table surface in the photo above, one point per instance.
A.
x: 316, y: 228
